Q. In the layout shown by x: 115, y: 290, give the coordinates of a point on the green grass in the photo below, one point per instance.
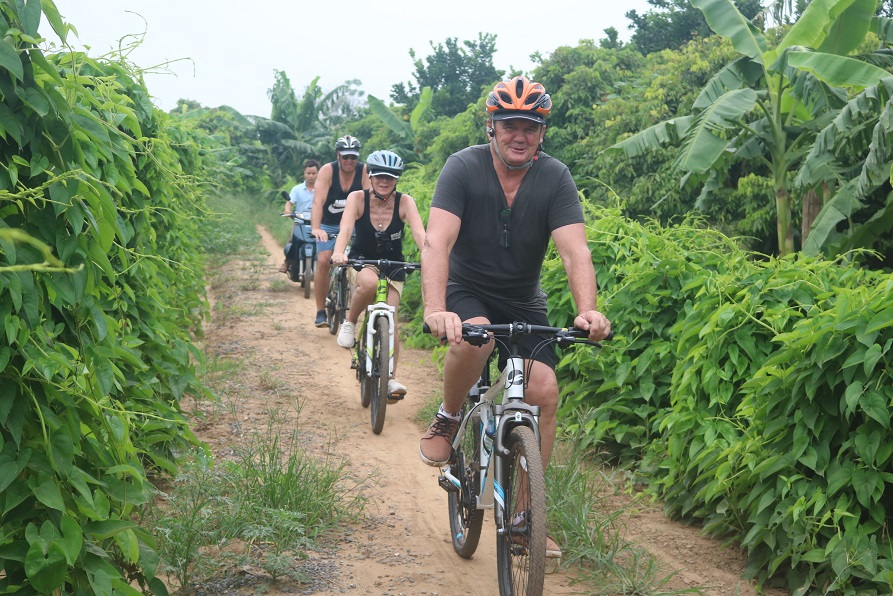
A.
x: 267, y: 505
x: 280, y: 284
x: 225, y: 235
x: 587, y: 526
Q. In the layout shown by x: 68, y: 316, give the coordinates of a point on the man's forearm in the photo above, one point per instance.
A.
x: 582, y: 282
x: 435, y: 271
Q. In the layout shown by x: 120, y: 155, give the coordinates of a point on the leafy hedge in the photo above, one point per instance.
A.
x: 96, y: 346
x: 754, y: 395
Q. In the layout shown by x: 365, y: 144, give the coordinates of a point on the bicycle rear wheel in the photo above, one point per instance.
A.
x: 521, y: 546
x: 465, y: 517
x: 380, y: 373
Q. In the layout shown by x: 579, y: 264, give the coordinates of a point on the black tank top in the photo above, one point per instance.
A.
x: 384, y: 244
x: 337, y: 198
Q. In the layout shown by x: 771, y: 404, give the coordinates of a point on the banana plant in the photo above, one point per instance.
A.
x: 298, y: 129
x: 767, y: 105
x: 852, y: 158
x: 407, y: 132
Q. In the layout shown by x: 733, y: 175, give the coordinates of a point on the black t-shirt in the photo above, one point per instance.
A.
x: 337, y: 198
x: 469, y: 188
x: 380, y: 244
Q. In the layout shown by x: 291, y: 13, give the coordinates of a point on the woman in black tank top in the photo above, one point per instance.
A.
x: 379, y: 218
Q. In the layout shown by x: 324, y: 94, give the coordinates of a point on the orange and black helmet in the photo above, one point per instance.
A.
x: 519, y: 98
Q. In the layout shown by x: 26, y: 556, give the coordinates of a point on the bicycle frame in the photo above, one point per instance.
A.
x: 378, y: 308
x: 481, y: 462
x: 374, y: 356
x: 511, y: 413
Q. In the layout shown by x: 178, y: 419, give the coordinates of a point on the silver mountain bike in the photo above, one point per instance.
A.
x: 496, y: 463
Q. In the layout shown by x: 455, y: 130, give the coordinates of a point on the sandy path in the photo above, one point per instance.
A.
x: 403, y: 545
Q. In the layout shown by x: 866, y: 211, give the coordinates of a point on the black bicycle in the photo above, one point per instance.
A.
x: 338, y: 297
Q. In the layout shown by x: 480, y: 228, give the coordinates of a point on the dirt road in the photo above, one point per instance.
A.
x: 403, y: 546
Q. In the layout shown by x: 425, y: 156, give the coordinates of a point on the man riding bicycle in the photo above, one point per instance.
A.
x: 494, y: 210
x: 335, y: 181
x: 379, y: 218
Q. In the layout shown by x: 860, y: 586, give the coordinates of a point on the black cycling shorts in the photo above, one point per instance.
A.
x: 468, y: 305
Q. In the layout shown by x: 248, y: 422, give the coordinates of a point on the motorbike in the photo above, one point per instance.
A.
x: 300, y: 253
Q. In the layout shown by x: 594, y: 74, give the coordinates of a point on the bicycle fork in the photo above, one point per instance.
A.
x: 380, y: 309
x: 511, y: 413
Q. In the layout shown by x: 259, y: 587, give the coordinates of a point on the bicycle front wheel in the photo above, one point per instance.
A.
x: 380, y: 373
x: 521, y: 546
x: 465, y: 517
x: 343, y: 298
x: 332, y: 305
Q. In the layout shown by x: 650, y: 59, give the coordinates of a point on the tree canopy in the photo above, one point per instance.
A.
x: 454, y: 73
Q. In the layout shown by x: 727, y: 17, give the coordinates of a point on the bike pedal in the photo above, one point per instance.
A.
x: 394, y: 398
x: 353, y: 363
x: 446, y: 485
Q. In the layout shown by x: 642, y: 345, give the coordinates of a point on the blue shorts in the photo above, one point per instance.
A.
x: 330, y: 243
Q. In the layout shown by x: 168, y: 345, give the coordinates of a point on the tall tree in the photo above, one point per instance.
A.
x: 454, y: 73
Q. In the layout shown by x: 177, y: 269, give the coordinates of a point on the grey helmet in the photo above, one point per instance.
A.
x: 384, y: 162
x: 348, y: 144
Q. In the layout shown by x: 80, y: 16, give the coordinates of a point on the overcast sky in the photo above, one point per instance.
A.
x: 225, y: 52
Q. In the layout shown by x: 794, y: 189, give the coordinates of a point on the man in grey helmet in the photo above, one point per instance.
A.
x: 335, y: 181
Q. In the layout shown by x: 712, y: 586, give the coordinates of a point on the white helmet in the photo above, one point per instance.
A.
x: 385, y: 163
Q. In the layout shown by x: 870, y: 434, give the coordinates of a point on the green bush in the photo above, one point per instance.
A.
x: 753, y: 394
x: 96, y: 344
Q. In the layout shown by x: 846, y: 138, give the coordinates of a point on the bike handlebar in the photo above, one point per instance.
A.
x: 478, y: 335
x: 304, y: 217
x: 384, y: 264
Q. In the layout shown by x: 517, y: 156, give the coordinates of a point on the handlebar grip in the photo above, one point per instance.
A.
x: 425, y: 328
x: 610, y: 335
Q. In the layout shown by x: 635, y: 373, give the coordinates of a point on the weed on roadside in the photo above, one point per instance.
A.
x: 266, y: 506
x: 587, y: 526
x: 280, y: 285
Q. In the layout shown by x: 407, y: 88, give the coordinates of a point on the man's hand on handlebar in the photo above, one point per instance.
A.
x: 320, y: 235
x: 445, y: 324
x: 596, y: 323
x: 339, y: 259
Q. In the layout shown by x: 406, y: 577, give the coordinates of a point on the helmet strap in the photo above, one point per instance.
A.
x: 529, y: 164
x: 382, y: 197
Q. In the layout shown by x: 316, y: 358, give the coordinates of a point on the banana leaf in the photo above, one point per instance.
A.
x: 725, y: 20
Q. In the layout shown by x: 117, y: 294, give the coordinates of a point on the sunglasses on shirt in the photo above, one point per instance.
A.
x: 505, y: 240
